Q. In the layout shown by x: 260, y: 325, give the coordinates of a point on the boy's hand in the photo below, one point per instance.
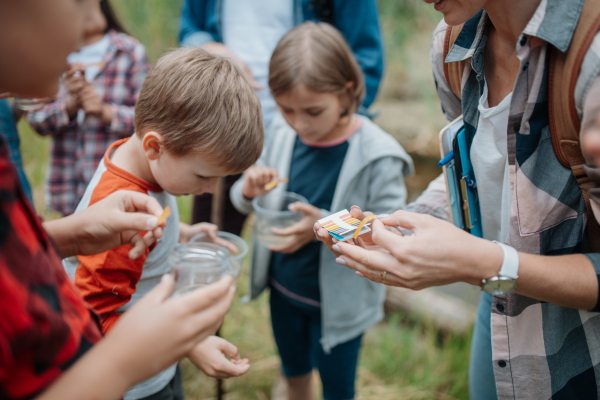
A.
x: 210, y: 357
x: 301, y: 232
x: 187, y: 232
x: 255, y: 180
x: 93, y: 105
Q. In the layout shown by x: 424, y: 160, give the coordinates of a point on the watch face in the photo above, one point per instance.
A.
x: 499, y: 285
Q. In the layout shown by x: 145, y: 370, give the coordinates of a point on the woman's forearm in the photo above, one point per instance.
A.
x: 63, y: 231
x: 568, y: 281
x: 96, y: 376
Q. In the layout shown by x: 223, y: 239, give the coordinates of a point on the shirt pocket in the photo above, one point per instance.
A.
x: 546, y: 198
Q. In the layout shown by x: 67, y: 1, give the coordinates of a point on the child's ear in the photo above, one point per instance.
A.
x: 153, y: 145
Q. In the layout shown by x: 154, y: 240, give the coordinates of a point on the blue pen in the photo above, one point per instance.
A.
x: 446, y: 159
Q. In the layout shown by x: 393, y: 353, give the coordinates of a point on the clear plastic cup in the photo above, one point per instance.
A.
x: 272, y: 212
x: 194, y: 265
x: 31, y: 104
x: 240, y: 244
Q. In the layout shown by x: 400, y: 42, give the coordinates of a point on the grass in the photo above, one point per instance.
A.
x: 153, y: 22
x: 402, y: 357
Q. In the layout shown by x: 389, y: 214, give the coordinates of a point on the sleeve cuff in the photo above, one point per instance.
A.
x: 595, y: 259
x: 197, y: 39
x: 242, y: 204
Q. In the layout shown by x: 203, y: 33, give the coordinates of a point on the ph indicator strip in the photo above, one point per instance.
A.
x: 340, y: 225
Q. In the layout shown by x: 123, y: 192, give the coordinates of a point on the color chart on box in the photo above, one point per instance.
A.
x: 342, y: 225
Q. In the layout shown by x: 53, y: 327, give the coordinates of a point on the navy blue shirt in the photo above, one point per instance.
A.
x: 314, y: 172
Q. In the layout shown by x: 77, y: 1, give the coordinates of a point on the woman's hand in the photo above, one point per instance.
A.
x: 113, y: 221
x: 187, y: 232
x: 158, y: 331
x: 256, y: 178
x: 365, y: 240
x: 155, y: 333
x: 210, y: 356
x: 436, y: 254
x: 301, y: 232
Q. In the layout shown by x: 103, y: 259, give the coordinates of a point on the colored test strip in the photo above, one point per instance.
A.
x: 163, y: 217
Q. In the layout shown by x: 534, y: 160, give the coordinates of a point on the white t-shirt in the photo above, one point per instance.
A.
x: 490, y: 164
x: 251, y: 30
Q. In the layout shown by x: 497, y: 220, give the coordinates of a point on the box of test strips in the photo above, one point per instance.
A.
x: 342, y: 225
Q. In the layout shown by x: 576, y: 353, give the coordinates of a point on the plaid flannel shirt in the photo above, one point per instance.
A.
x: 77, y: 149
x: 45, y: 325
x: 540, y: 350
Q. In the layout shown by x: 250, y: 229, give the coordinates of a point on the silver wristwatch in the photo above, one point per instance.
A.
x: 506, y: 280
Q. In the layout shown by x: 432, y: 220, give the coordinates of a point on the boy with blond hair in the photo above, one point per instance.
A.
x: 197, y: 119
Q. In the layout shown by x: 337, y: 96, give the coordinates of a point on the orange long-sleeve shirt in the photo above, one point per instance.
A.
x: 108, y: 280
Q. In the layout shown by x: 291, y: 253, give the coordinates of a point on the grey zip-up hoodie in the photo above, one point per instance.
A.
x: 372, y: 177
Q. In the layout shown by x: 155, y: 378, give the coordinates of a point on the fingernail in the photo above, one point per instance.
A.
x: 334, y: 240
x: 335, y: 247
x: 359, y: 274
x: 340, y: 261
x: 152, y: 222
x: 354, y: 207
x: 382, y: 216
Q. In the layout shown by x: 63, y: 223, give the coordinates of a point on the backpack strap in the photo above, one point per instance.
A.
x: 453, y: 71
x: 564, y: 121
x: 565, y: 125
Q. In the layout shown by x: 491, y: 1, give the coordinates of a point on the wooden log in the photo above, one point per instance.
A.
x: 445, y: 311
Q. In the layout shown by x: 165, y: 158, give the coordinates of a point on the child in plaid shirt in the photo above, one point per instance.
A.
x: 95, y: 107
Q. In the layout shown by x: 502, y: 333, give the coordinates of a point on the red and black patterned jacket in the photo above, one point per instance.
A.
x: 45, y: 325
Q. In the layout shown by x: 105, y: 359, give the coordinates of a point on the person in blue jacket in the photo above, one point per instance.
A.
x: 9, y: 132
x: 248, y: 31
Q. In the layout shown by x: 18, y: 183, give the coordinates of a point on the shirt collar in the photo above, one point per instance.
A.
x: 554, y: 21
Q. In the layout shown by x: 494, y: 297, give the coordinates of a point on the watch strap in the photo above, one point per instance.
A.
x: 510, y: 262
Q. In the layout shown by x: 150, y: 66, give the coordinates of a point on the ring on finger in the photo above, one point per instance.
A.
x: 384, y: 276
